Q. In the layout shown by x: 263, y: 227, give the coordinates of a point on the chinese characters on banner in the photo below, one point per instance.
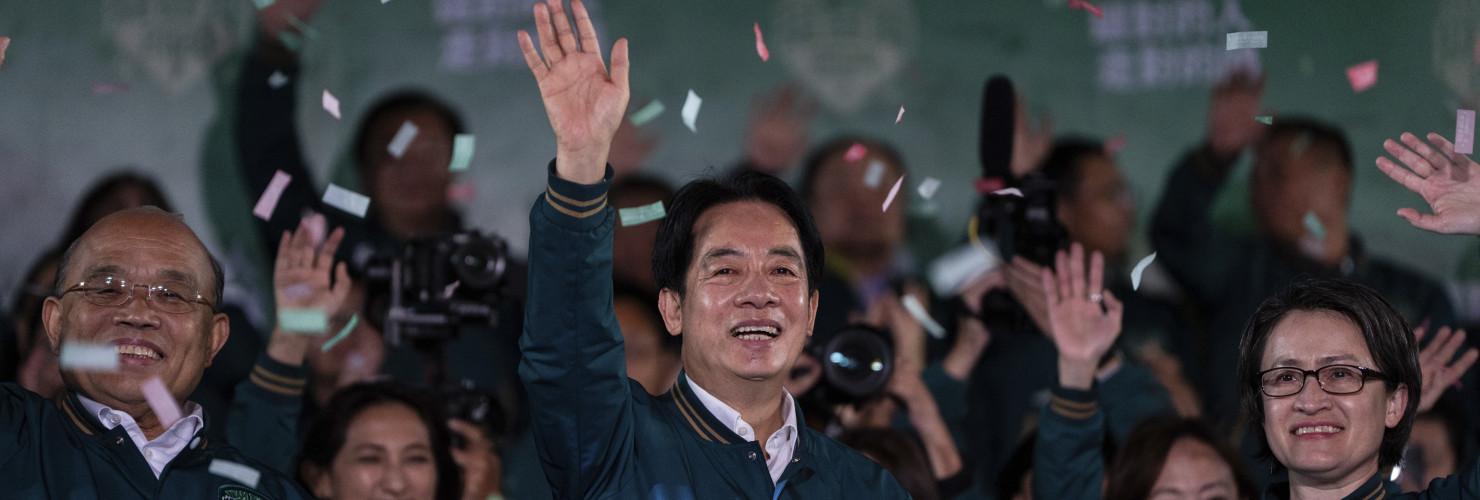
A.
x: 1156, y: 45
x: 480, y: 35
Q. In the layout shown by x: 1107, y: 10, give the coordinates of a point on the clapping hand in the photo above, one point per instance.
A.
x: 1449, y: 181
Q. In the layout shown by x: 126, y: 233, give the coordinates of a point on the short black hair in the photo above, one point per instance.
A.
x: 1387, y: 334
x: 90, y: 206
x: 1065, y: 160
x: 399, y: 101
x: 839, y: 146
x: 1321, y: 135
x: 325, y: 436
x: 1140, y: 461
x: 673, y: 252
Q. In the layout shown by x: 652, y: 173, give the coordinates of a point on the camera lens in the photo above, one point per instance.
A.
x: 858, y: 361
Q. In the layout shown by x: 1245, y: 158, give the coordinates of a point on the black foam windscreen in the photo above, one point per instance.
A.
x: 999, y: 118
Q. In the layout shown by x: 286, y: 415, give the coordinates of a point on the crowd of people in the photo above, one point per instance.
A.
x: 696, y: 356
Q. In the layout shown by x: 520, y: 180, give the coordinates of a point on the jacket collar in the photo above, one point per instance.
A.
x: 1376, y: 488
x: 709, y: 427
x: 87, y: 423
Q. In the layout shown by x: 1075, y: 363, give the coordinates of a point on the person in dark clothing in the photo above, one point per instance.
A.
x: 380, y: 440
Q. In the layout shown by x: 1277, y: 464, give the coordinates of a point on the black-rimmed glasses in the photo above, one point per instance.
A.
x: 1334, y: 379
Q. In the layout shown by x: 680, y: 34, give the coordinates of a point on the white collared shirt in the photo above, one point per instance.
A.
x: 779, y: 447
x: 159, y: 452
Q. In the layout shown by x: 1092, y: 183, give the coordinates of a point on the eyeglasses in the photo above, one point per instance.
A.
x: 1334, y: 379
x: 175, y: 297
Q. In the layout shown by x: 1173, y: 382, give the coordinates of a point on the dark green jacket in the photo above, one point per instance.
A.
x: 599, y: 434
x: 1458, y: 486
x: 55, y: 449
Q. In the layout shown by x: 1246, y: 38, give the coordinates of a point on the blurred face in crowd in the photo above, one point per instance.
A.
x: 1100, y: 214
x: 150, y: 247
x: 746, y: 312
x: 1291, y: 178
x: 416, y: 183
x: 1326, y: 438
x: 387, y: 454
x: 1194, y: 470
x: 648, y: 362
x: 849, y: 213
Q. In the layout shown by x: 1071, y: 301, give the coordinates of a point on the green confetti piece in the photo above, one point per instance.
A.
x: 291, y: 40
x: 310, y: 321
x: 1267, y: 120
x: 638, y: 215
x: 647, y: 113
x: 462, y: 152
x: 343, y: 333
x: 263, y: 4
x: 1313, y: 224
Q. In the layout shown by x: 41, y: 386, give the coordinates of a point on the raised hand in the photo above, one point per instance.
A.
x: 1449, y: 181
x: 1440, y: 368
x: 481, y: 468
x: 585, y: 104
x: 301, y: 280
x: 1231, y: 125
x: 1083, y: 330
x: 780, y: 123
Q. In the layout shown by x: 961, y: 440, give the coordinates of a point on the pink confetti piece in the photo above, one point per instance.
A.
x: 1083, y: 5
x: 855, y: 152
x: 1008, y: 192
x: 331, y: 104
x: 893, y: 191
x: 461, y: 192
x: 317, y: 227
x: 109, y: 88
x: 450, y: 289
x: 166, y: 409
x: 1114, y: 144
x: 1362, y: 76
x: 269, y: 200
x: 760, y: 44
x: 1464, y: 132
x: 5, y: 44
x: 297, y: 291
x: 900, y: 116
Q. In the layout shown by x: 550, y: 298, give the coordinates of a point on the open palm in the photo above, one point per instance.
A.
x: 1449, y: 181
x: 1083, y: 331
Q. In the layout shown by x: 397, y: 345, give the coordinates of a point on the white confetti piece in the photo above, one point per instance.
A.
x: 928, y: 187
x: 166, y: 409
x: 277, y: 80
x: 269, y: 200
x: 1248, y: 40
x: 900, y: 116
x: 1313, y: 226
x: 89, y: 357
x: 917, y: 310
x: 309, y: 321
x: 959, y: 267
x: 1140, y: 268
x: 893, y: 191
x: 1464, y: 132
x: 1008, y: 192
x: 638, y: 215
x: 647, y: 113
x: 874, y: 175
x: 690, y: 110
x: 236, y: 472
x: 331, y: 104
x: 402, y: 140
x: 346, y: 200
x: 462, y: 152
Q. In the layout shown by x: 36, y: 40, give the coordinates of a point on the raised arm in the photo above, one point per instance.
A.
x: 1449, y: 181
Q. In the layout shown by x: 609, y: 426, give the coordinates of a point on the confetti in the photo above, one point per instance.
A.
x: 1083, y: 5
x: 1008, y: 192
x: 647, y: 113
x: 343, y: 333
x: 346, y: 200
x: 402, y: 140
x: 269, y: 200
x: 277, y: 80
x: 1114, y: 144
x: 5, y: 44
x: 958, y: 267
x: 1267, y: 120
x: 1313, y: 225
x: 166, y: 409
x: 461, y: 192
x: 912, y: 305
x: 89, y: 357
x: 450, y: 289
x: 892, y: 191
x: 109, y: 88
x: 690, y: 110
x: 760, y: 45
x: 900, y: 116
x: 262, y: 4
x: 297, y: 291
x: 1248, y: 40
x: 1464, y: 132
x: 462, y: 152
x: 874, y: 175
x: 308, y: 321
x: 1140, y: 268
x: 855, y: 152
x: 235, y: 471
x: 316, y: 225
x: 928, y: 187
x: 638, y: 215
x: 1362, y: 76
x: 331, y: 104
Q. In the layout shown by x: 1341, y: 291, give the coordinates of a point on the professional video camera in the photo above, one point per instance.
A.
x: 856, y: 363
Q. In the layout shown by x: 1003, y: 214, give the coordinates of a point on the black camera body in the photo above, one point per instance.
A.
x: 856, y: 363
x: 433, y: 285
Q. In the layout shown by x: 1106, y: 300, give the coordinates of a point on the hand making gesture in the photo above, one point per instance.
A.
x: 585, y: 103
x: 1449, y: 181
x: 1083, y: 331
x: 301, y: 280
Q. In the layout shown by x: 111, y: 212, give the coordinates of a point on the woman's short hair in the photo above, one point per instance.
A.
x: 1386, y: 333
x: 1133, y: 473
x: 327, y: 433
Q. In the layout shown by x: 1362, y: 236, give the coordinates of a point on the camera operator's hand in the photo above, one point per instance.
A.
x: 780, y: 126
x: 907, y: 387
x: 1024, y: 283
x: 972, y: 339
x: 1231, y: 124
x: 1449, y: 181
x: 1085, y: 316
x: 482, y: 471
x: 585, y: 104
x: 301, y: 280
x: 888, y: 313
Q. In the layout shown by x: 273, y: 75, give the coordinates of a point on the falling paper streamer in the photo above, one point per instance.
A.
x: 928, y: 187
x: 297, y: 291
x: 1248, y: 40
x: 690, y: 111
x: 874, y: 175
x: 1267, y: 120
x: 1008, y: 192
x: 893, y: 191
x: 402, y: 140
x: 166, y: 409
x: 462, y: 152
x: 1362, y: 76
x: 916, y: 310
x: 1140, y: 268
x: 277, y: 80
x: 760, y: 45
x: 855, y: 152
x: 1464, y: 132
x: 235, y: 471
x: 343, y: 334
x: 1313, y: 226
x: 638, y: 215
x: 346, y: 200
x: 647, y: 113
x: 89, y: 357
x: 331, y: 104
x: 900, y: 116
x: 269, y: 200
x: 308, y: 321
x: 1083, y: 5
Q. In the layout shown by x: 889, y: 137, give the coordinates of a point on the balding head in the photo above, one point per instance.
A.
x: 140, y: 221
